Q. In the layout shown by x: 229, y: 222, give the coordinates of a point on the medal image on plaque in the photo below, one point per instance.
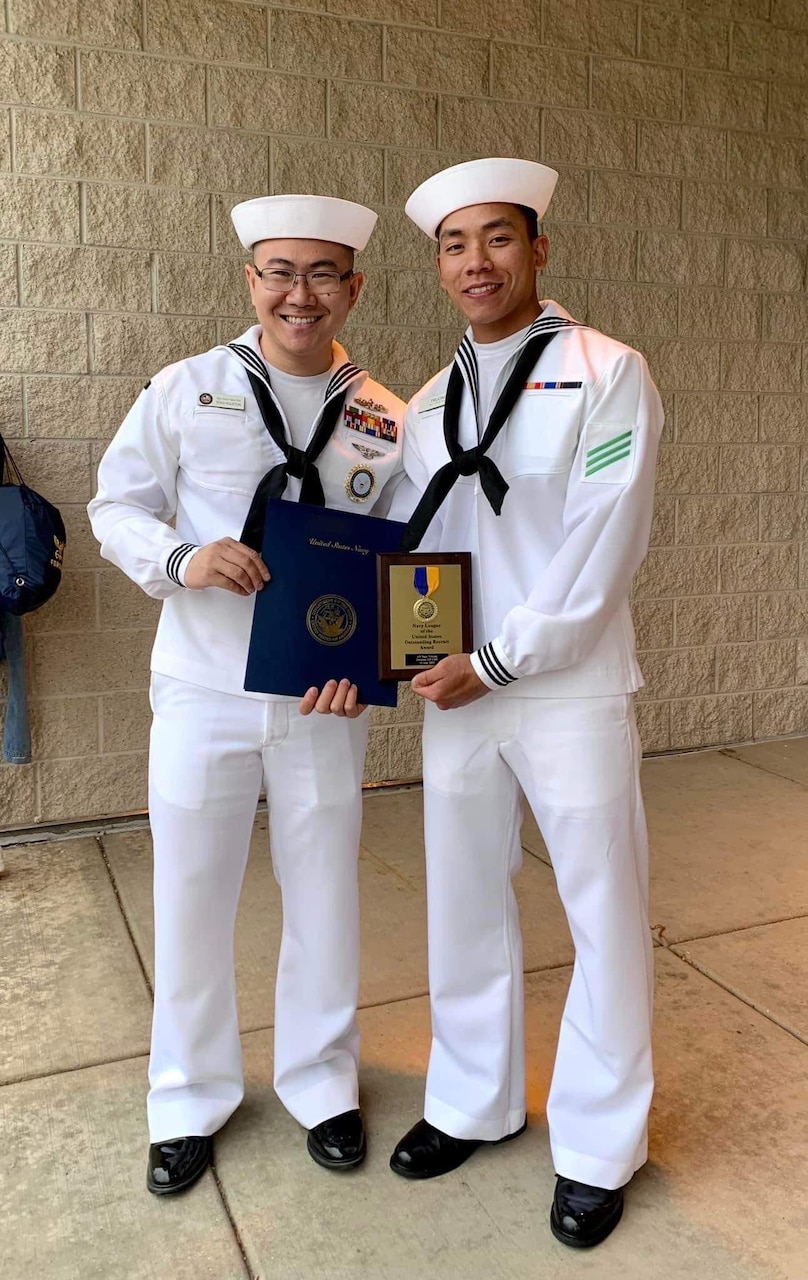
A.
x: 424, y: 610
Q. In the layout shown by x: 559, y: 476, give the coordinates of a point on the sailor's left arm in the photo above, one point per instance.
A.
x: 606, y: 525
x: 410, y: 489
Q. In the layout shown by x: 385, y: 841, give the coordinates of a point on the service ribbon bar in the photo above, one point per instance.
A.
x: 553, y: 386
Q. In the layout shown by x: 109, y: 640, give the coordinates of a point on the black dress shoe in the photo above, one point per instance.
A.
x: 427, y: 1152
x: 338, y: 1143
x: 583, y: 1216
x: 175, y: 1164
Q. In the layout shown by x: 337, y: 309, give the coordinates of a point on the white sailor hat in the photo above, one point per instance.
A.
x: 303, y: 218
x: 491, y: 181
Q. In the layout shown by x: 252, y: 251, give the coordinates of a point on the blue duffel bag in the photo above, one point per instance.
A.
x: 32, y: 542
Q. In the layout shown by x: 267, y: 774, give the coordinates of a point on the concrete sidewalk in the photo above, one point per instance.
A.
x: 724, y: 1196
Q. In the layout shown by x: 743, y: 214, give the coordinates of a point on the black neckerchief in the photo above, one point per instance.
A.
x: 300, y: 463
x: 467, y: 462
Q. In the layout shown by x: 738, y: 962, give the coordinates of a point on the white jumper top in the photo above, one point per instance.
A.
x: 182, y: 471
x: 552, y: 572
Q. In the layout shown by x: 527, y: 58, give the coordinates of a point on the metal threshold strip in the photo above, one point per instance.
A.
x: 73, y: 829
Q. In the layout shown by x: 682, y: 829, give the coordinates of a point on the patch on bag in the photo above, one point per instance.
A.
x: 368, y: 423
x: 609, y: 453
x: 58, y: 557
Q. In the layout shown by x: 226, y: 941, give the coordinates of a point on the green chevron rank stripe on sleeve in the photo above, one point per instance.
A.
x: 607, y: 454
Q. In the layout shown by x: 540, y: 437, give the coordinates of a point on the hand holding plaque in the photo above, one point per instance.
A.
x: 452, y: 683
x: 424, y: 610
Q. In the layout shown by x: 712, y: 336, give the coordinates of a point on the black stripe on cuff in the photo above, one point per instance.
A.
x: 488, y: 666
x: 499, y: 664
x: 175, y: 561
x: 493, y: 667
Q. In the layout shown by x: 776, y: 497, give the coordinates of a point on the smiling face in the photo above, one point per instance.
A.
x: 297, y: 327
x: 487, y: 264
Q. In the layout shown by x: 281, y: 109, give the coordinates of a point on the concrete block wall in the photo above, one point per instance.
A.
x: 128, y: 128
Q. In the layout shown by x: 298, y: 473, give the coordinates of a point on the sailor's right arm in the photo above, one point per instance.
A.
x: 136, y: 499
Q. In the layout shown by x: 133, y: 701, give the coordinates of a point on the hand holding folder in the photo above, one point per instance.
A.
x: 317, y: 618
x: 338, y: 698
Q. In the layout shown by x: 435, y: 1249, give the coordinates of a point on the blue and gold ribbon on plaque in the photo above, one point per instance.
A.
x: 426, y: 580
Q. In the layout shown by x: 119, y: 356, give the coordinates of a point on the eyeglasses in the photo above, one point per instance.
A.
x: 282, y: 280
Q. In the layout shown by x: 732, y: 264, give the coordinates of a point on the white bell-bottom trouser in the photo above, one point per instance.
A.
x: 210, y: 754
x: 577, y: 761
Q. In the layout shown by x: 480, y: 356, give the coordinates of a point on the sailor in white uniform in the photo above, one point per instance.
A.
x: 535, y: 451
x: 280, y: 412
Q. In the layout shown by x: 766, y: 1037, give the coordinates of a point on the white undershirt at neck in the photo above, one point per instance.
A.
x: 491, y: 356
x: 301, y: 400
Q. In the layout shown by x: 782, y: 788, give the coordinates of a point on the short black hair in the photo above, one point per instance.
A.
x: 532, y: 219
x: 530, y: 216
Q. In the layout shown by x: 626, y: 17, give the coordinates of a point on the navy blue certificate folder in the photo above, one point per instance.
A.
x: 317, y: 619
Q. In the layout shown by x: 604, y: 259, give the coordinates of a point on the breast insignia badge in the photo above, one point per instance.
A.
x: 360, y: 483
x: 365, y: 451
x: 371, y: 404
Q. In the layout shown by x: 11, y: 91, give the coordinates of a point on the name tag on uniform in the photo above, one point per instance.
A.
x: 212, y: 400
x: 435, y: 402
